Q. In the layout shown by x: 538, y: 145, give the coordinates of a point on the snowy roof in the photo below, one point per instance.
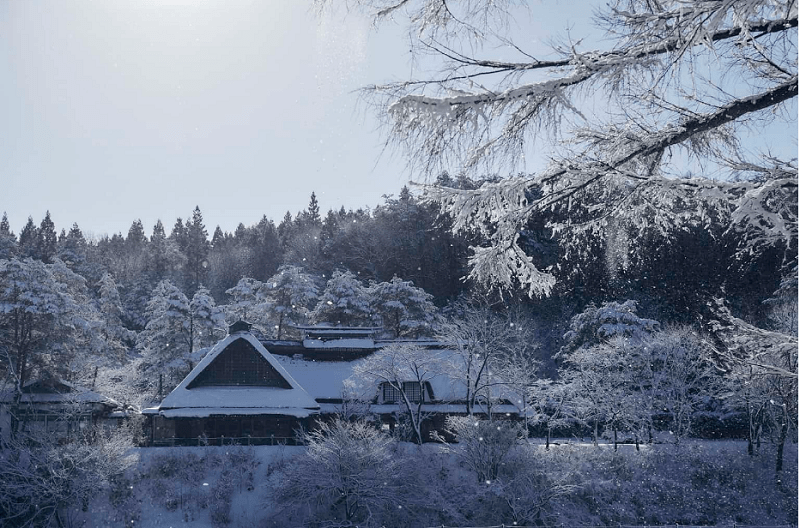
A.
x: 339, y: 331
x: 323, y: 328
x: 289, y: 398
x: 325, y: 379
x: 353, y: 342
x: 54, y: 390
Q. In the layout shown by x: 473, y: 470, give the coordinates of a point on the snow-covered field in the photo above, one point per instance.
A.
x: 699, y: 482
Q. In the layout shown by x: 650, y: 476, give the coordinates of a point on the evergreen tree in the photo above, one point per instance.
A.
x: 47, y: 240
x: 290, y: 292
x: 136, y: 237
x: 240, y: 234
x: 404, y: 310
x: 266, y: 249
x: 218, y: 239
x: 286, y: 228
x: 28, y: 239
x: 8, y: 242
x: 197, y: 247
x: 165, y: 341
x: 163, y: 255
x: 5, y: 228
x: 72, y: 249
x: 112, y: 313
x: 206, y: 320
x: 179, y: 234
x: 248, y: 303
x: 45, y: 318
x: 345, y: 301
x: 312, y: 217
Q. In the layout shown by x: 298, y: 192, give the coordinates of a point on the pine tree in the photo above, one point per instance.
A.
x: 40, y: 317
x: 8, y: 242
x: 266, y: 249
x: 112, y: 313
x: 136, y: 237
x: 165, y: 341
x: 404, y: 310
x: 312, y: 216
x: 28, y: 239
x: 47, y: 240
x: 163, y: 255
x: 240, y: 234
x: 247, y: 302
x: 207, y: 322
x: 218, y: 239
x: 180, y: 234
x: 345, y: 301
x: 286, y: 229
x: 72, y: 249
x: 197, y: 247
x: 290, y: 292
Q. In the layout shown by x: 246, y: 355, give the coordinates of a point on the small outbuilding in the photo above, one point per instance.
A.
x: 49, y: 407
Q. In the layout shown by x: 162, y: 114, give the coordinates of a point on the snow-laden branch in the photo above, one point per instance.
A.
x: 615, y: 188
x: 741, y: 343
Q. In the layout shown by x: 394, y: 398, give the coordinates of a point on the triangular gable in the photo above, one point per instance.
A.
x: 211, y: 389
x: 239, y: 364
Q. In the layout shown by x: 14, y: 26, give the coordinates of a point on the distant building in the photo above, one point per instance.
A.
x: 53, y: 408
x: 261, y: 392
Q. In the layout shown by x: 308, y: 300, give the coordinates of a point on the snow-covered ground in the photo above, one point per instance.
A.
x: 194, y: 486
x: 698, y: 482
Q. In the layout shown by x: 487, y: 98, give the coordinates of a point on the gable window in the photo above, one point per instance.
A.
x: 412, y: 389
x: 389, y: 393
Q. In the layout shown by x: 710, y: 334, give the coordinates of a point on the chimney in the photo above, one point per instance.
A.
x: 239, y: 326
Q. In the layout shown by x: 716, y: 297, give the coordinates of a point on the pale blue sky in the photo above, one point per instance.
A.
x: 115, y: 110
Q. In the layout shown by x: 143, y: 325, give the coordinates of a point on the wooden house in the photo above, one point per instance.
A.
x: 262, y: 392
x: 55, y: 409
x: 238, y: 393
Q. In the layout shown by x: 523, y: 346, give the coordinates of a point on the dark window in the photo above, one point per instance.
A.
x: 412, y: 390
x: 240, y: 364
x: 390, y: 394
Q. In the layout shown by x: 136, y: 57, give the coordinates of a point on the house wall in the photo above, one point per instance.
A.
x: 5, y: 424
x: 57, y: 422
x: 246, y: 429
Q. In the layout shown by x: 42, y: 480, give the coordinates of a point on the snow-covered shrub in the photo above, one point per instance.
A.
x: 482, y: 444
x: 346, y: 476
x: 530, y: 488
x: 41, y: 479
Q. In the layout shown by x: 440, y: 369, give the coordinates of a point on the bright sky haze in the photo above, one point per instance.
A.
x: 112, y: 111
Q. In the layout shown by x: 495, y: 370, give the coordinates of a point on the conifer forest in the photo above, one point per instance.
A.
x: 610, y: 340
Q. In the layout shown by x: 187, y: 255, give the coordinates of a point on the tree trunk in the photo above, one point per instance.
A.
x: 781, y: 442
x: 615, y: 437
x: 595, y: 432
